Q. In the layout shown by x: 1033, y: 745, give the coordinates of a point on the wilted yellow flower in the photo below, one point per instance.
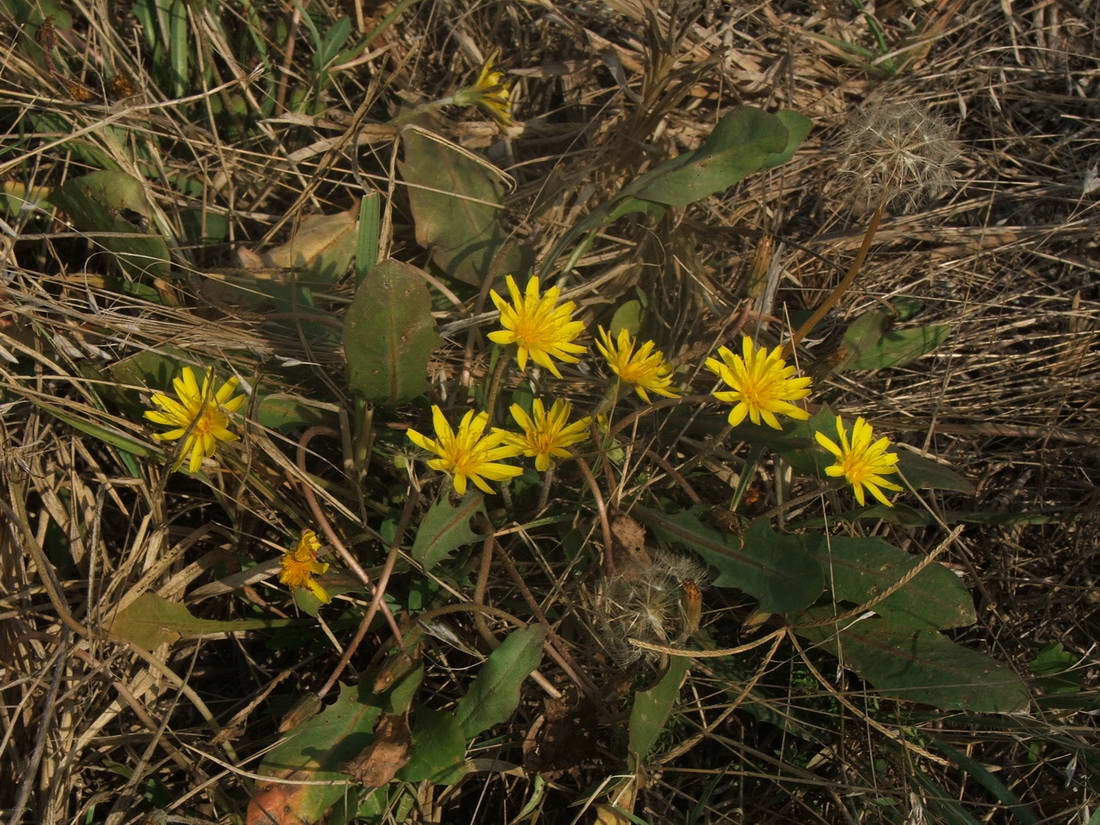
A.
x: 545, y: 435
x: 300, y: 565
x: 490, y: 91
x: 761, y: 382
x: 467, y: 454
x: 862, y: 463
x: 646, y: 369
x: 199, y: 417
x: 537, y: 325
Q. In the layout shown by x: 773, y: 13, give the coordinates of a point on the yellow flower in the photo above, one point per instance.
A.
x: 545, y: 436
x: 762, y: 384
x: 300, y: 565
x: 537, y: 325
x: 199, y: 417
x: 646, y: 369
x: 862, y: 463
x: 467, y: 454
x: 491, y: 92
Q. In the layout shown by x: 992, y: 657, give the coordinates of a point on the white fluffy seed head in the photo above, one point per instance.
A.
x: 896, y: 154
x: 645, y: 605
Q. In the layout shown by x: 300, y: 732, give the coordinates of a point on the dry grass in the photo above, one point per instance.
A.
x: 94, y: 732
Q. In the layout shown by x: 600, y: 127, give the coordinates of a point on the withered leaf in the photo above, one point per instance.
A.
x: 385, y: 755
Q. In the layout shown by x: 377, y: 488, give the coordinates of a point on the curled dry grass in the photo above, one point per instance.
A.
x: 94, y: 732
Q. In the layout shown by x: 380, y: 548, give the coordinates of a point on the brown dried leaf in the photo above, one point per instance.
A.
x: 385, y: 755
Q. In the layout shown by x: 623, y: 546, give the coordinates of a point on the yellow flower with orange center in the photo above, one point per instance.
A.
x: 545, y: 435
x: 197, y: 415
x: 645, y: 369
x: 300, y: 565
x: 467, y: 454
x: 538, y: 325
x: 860, y: 461
x: 761, y: 384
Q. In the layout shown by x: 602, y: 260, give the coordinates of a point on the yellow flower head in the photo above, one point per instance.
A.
x: 537, y: 325
x: 200, y: 417
x: 545, y: 435
x: 761, y: 382
x: 491, y: 92
x: 467, y: 454
x: 862, y: 463
x: 646, y: 369
x: 300, y: 565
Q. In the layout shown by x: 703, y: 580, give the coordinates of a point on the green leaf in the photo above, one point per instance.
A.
x: 150, y: 621
x: 920, y: 665
x: 366, y: 243
x: 333, y: 41
x: 438, y: 749
x: 994, y: 786
x: 1053, y: 664
x: 628, y: 317
x: 773, y: 568
x: 389, y: 334
x: 924, y: 473
x: 282, y: 411
x: 93, y: 203
x: 870, y: 344
x: 858, y: 569
x: 653, y: 707
x: 108, y: 435
x: 445, y: 528
x: 495, y: 692
x: 939, y: 801
x: 149, y: 369
x: 399, y: 699
x: 316, y: 750
x: 455, y: 202
x: 744, y: 141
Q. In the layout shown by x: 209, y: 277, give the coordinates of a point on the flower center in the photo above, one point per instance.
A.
x: 209, y: 419
x: 856, y: 468
x: 533, y: 333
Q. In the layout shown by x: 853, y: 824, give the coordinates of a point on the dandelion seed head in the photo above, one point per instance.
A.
x: 897, y: 154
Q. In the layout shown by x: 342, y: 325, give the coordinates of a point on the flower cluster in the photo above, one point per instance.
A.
x: 758, y: 384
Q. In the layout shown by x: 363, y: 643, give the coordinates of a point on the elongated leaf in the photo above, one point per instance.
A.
x: 366, y: 242
x: 317, y: 750
x: 149, y: 369
x: 93, y: 203
x: 495, y: 692
x: 150, y: 621
x: 455, y: 204
x: 744, y: 141
x: 653, y: 707
x: 870, y: 344
x: 860, y: 569
x: 389, y: 334
x: 923, y: 473
x: 994, y: 786
x: 281, y: 411
x: 445, y: 528
x: 920, y: 665
x: 438, y: 749
x: 774, y: 568
x: 108, y: 435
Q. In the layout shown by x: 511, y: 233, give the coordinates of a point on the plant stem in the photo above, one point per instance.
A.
x: 495, y: 382
x: 834, y: 296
